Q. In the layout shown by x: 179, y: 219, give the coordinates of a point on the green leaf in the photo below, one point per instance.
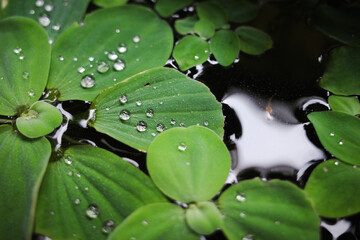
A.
x: 162, y: 98
x: 109, y: 3
x: 80, y: 69
x: 204, y: 28
x: 342, y: 71
x: 268, y: 210
x: 188, y: 164
x: 23, y: 162
x: 349, y: 105
x: 158, y: 221
x: 88, y: 192
x: 54, y: 15
x: 191, y: 51
x: 203, y: 217
x: 225, y: 46
x: 25, y: 54
x: 40, y: 119
x: 212, y: 12
x: 239, y: 11
x: 253, y: 41
x: 186, y: 25
x: 341, y: 24
x: 334, y: 187
x: 339, y: 133
x: 167, y: 7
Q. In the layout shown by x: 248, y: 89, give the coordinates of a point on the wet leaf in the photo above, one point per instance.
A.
x: 339, y: 133
x: 239, y: 11
x: 188, y: 164
x: 212, y: 12
x: 191, y: 51
x: 158, y: 221
x: 24, y: 48
x: 40, y: 119
x: 54, y: 15
x: 204, y: 28
x: 109, y: 3
x: 342, y: 72
x: 113, y: 44
x: 225, y: 46
x: 23, y: 162
x: 268, y: 210
x: 253, y: 41
x: 167, y: 7
x: 349, y: 105
x: 161, y: 98
x: 334, y: 187
x: 186, y: 25
x: 88, y: 192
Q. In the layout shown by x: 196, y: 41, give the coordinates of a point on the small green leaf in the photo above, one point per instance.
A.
x: 253, y: 41
x: 334, y: 187
x: 23, y: 162
x: 112, y: 45
x: 186, y: 25
x: 25, y: 54
x: 239, y: 11
x: 349, y: 105
x: 158, y: 221
x: 339, y: 133
x: 204, y: 28
x: 203, y: 217
x: 342, y: 71
x: 268, y: 210
x: 188, y: 164
x: 109, y: 3
x: 225, y: 46
x: 167, y: 7
x: 40, y: 119
x: 88, y: 192
x: 191, y: 51
x: 136, y: 110
x: 212, y: 12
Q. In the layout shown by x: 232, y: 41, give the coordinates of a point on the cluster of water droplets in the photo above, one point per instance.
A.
x: 340, y: 142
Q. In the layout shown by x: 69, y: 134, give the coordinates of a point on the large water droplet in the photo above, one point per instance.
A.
x: 112, y: 56
x: 182, y: 147
x: 92, y: 211
x: 81, y: 69
x: 103, y: 67
x: 108, y: 227
x: 49, y: 7
x: 122, y: 48
x: 240, y: 198
x: 150, y: 113
x: 136, y: 39
x: 88, y: 81
x: 124, y: 115
x: 39, y: 3
x: 44, y: 20
x: 141, y: 126
x: 123, y: 99
x: 119, y: 65
x: 160, y: 127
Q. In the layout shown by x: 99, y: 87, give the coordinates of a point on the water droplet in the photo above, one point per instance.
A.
x: 17, y: 50
x: 133, y: 238
x: 325, y: 169
x: 68, y: 160
x: 182, y: 147
x: 107, y: 109
x: 153, y: 134
x: 119, y: 65
x: 56, y: 27
x: 336, y: 163
x: 44, y: 20
x: 122, y: 48
x: 341, y: 142
x: 76, y: 187
x: 91, y: 59
x: 21, y: 57
x: 78, y: 175
x: 86, y: 189
x: 52, y: 213
x: 354, y: 166
x: 332, y: 134
x: 32, y: 12
x: 114, y: 79
x: 242, y: 214
x: 196, y: 57
x: 138, y: 103
x: 31, y: 92
x: 103, y: 67
x: 61, y: 58
x: 150, y: 113
x: 108, y: 227
x: 141, y: 126
x: 92, y: 211
x: 112, y: 56
x: 124, y: 115
x: 77, y: 201
x: 145, y: 222
x: 51, y: 41
x: 172, y: 121
x: 187, y: 164
x: 87, y: 81
x: 136, y: 39
x: 39, y: 3
x: 240, y: 198
x: 70, y: 173
x: 25, y: 75
x: 48, y: 7
x: 161, y: 103
x: 117, y: 30
x: 80, y: 69
x: 248, y: 237
x: 277, y: 222
x: 181, y: 124
x: 160, y: 127
x: 75, y: 59
x: 123, y: 99
x: 206, y: 123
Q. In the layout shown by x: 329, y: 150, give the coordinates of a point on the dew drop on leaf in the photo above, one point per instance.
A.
x: 77, y: 201
x: 108, y: 227
x: 68, y: 160
x: 150, y: 113
x: 49, y: 7
x: 44, y: 20
x: 103, y: 67
x: 206, y: 123
x: 31, y: 92
x: 91, y: 59
x: 117, y: 30
x: 160, y: 127
x: 80, y: 69
x: 242, y: 214
x: 277, y: 222
x: 17, y: 50
x: 124, y: 115
x: 25, y: 75
x: 112, y: 56
x: 88, y: 81
x: 182, y: 147
x: 39, y: 3
x: 119, y: 65
x: 332, y: 134
x: 240, y: 198
x: 141, y: 126
x: 32, y: 12
x: 336, y: 163
x: 248, y: 237
x: 136, y: 39
x: 181, y: 124
x: 75, y: 59
x: 196, y: 57
x: 145, y: 223
x: 123, y: 99
x: 21, y: 57
x: 70, y: 173
x: 122, y: 48
x: 341, y: 142
x: 172, y: 121
x: 92, y: 211
x: 61, y: 58
x: 56, y: 27
x: 86, y: 189
x: 138, y: 103
x: 187, y: 164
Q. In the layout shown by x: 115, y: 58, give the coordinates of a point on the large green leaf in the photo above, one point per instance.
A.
x: 112, y: 45
x: 334, y: 187
x: 339, y: 133
x: 191, y: 51
x: 342, y: 71
x: 88, y: 192
x: 186, y: 25
x: 54, y: 15
x: 268, y: 210
x: 188, y: 164
x: 167, y: 7
x: 213, y: 12
x: 25, y: 61
x: 22, y: 164
x: 110, y: 3
x: 253, y: 41
x: 225, y: 46
x: 137, y: 109
x: 239, y: 11
x: 158, y: 221
x: 348, y: 105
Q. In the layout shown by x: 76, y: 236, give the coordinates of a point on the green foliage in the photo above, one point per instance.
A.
x: 212, y: 12
x: 334, y: 188
x: 225, y: 46
x: 204, y: 28
x: 188, y: 164
x: 239, y: 11
x: 349, y: 105
x: 253, y: 41
x: 268, y: 210
x: 186, y: 25
x: 109, y: 3
x: 23, y: 162
x: 167, y: 7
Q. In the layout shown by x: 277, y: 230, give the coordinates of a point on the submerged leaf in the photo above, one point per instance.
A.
x: 167, y: 7
x: 225, y: 46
